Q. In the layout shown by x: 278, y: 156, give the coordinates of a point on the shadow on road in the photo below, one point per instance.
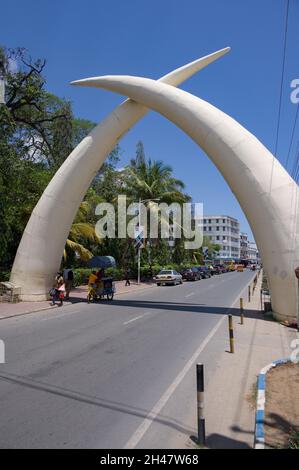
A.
x: 218, y: 441
x: 30, y: 383
x: 185, y: 307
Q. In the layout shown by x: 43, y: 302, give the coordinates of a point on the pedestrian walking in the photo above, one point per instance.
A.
x: 58, y: 289
x: 127, y: 277
x: 68, y: 277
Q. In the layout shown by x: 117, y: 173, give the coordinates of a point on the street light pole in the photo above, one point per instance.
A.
x: 139, y: 247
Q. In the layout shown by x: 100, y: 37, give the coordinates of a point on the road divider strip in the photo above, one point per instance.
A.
x: 152, y: 415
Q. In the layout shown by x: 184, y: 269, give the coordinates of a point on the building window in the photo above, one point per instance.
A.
x: 210, y: 229
x: 205, y: 229
x: 217, y: 238
x: 210, y: 221
x: 223, y: 229
x: 217, y: 228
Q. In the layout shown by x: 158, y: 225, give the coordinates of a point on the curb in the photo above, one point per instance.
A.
x: 259, y: 435
x: 50, y: 307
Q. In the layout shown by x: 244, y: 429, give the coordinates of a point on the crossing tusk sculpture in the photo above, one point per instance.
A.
x: 264, y: 189
x: 41, y: 248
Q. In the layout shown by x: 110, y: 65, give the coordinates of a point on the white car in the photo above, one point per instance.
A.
x: 168, y: 276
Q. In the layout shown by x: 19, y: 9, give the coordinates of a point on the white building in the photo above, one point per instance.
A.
x: 224, y: 231
x: 243, y: 245
x: 253, y: 254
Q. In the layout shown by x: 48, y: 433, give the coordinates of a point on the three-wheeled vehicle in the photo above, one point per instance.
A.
x: 104, y: 288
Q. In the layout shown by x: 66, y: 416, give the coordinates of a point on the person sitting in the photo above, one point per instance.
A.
x: 93, y: 278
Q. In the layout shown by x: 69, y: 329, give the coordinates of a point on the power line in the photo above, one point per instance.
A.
x: 292, y: 137
x: 296, y: 161
x: 282, y: 77
x: 281, y: 93
x: 296, y: 174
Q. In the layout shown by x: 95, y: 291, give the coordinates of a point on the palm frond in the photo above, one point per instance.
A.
x: 83, y: 230
x: 79, y: 249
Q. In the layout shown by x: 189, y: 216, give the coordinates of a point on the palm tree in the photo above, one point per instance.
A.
x: 153, y: 180
x: 148, y: 180
x: 81, y: 230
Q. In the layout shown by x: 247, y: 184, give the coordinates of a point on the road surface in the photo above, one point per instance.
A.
x: 114, y: 374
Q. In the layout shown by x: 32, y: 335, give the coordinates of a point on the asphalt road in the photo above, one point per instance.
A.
x: 114, y: 374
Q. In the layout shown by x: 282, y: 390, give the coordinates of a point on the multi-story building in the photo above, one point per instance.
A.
x: 253, y: 254
x: 223, y: 230
x: 243, y: 245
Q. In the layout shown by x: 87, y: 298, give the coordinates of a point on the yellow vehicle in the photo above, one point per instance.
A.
x: 240, y: 268
x: 97, y: 291
x: 230, y: 265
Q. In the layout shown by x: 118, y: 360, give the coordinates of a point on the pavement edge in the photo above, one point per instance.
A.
x: 259, y: 434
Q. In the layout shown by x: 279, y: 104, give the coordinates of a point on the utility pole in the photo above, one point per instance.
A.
x: 139, y: 245
x: 144, y: 235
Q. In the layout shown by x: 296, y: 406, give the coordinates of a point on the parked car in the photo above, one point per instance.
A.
x: 168, y: 276
x: 240, y: 268
x: 205, y: 272
x: 222, y: 269
x: 191, y: 274
x: 216, y: 270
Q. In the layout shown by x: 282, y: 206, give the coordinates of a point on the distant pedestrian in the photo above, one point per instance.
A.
x: 68, y: 277
x: 127, y: 277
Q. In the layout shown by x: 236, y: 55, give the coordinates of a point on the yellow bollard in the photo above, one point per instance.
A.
x: 231, y: 333
x: 241, y: 311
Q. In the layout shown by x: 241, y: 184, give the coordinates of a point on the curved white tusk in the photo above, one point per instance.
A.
x: 264, y: 189
x: 174, y: 78
x: 40, y: 250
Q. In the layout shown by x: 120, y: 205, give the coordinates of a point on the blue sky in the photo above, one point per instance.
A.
x: 150, y: 38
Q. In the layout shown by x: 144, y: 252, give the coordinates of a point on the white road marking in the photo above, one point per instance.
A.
x: 152, y: 415
x: 136, y: 318
x: 142, y: 429
x: 189, y: 295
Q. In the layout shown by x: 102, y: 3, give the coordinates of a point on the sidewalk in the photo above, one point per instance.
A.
x: 78, y: 294
x: 230, y: 394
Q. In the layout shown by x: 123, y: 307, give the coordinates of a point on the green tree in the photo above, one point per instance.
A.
x: 37, y: 132
x: 213, y: 248
x: 149, y: 181
x: 80, y: 129
x: 82, y: 231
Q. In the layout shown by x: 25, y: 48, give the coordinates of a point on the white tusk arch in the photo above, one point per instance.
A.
x: 264, y: 189
x: 40, y: 251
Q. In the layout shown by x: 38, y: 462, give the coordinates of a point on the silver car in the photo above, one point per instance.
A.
x: 168, y: 276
